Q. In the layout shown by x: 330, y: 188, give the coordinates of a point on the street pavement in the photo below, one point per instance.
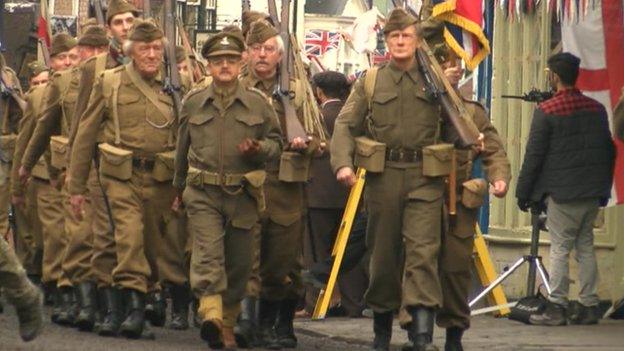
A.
x: 335, y: 334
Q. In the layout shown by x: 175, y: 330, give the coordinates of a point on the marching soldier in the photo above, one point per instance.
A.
x: 9, y: 120
x: 404, y: 205
x: 21, y: 293
x: 458, y: 239
x: 282, y: 222
x: 29, y: 244
x: 227, y: 134
x: 63, y: 56
x: 120, y: 16
x: 56, y: 119
x: 131, y: 120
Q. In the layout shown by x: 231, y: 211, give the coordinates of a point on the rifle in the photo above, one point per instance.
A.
x: 453, y: 106
x: 282, y: 91
x: 147, y: 9
x: 99, y: 13
x: 196, y: 74
x: 7, y: 91
x: 534, y: 95
x: 45, y: 53
x: 246, y: 6
x: 172, y: 79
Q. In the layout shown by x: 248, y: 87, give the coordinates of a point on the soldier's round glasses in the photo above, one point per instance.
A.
x: 269, y: 49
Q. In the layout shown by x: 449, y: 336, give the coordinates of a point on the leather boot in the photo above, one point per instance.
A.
x: 245, y: 330
x: 422, y: 328
x: 229, y: 340
x: 180, y: 299
x: 111, y: 311
x: 156, y: 309
x: 284, y: 329
x: 453, y: 339
x: 55, y: 296
x: 267, y: 315
x: 88, y: 306
x: 382, y: 326
x: 211, y: 313
x: 132, y: 326
x: 66, y: 314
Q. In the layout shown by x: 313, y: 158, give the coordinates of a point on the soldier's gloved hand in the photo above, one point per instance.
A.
x: 524, y: 204
x: 23, y: 174
x: 249, y: 147
x: 77, y: 204
x: 346, y: 176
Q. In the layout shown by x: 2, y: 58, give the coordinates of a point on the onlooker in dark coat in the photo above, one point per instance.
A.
x: 327, y: 198
x: 568, y: 166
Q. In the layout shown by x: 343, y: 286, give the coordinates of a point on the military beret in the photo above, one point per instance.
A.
x: 116, y: 7
x: 563, y: 62
x: 398, y: 19
x: 249, y: 17
x: 62, y: 42
x: 94, y: 36
x: 223, y: 43
x: 145, y: 31
x: 35, y: 68
x: 260, y: 32
x: 180, y: 54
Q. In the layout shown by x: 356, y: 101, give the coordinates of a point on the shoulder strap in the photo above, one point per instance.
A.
x: 369, y: 85
x: 111, y: 80
x: 100, y: 63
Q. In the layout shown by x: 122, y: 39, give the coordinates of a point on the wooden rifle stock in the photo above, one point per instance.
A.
x: 13, y: 93
x: 99, y: 13
x: 451, y: 103
x: 172, y: 81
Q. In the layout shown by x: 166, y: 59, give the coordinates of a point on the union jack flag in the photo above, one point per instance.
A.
x: 317, y: 42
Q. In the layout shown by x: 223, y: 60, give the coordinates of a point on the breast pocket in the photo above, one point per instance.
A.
x: 384, y: 108
x: 425, y: 107
x: 248, y: 125
x: 129, y: 109
x: 202, y: 129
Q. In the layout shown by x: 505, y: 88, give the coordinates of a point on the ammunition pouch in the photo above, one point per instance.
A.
x: 253, y: 183
x: 163, y: 166
x: 40, y: 169
x: 58, y: 151
x: 437, y: 160
x: 473, y: 193
x: 294, y: 167
x: 115, y: 162
x: 7, y: 146
x: 370, y: 154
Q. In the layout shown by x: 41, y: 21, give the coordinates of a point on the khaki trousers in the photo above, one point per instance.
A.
x: 281, y: 252
x: 77, y: 260
x: 222, y: 257
x: 139, y: 207
x: 104, y: 257
x: 404, y: 226
x: 55, y: 240
x: 173, y: 264
x: 13, y: 281
x: 5, y: 196
x: 29, y: 241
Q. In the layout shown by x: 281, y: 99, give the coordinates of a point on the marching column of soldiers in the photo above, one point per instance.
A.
x: 119, y: 201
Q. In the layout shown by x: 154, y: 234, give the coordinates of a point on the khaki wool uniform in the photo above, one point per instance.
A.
x: 10, y: 114
x: 221, y: 213
x: 458, y: 241
x: 141, y: 206
x: 56, y: 119
x: 103, y: 257
x: 404, y: 207
x: 30, y: 251
x: 281, y: 236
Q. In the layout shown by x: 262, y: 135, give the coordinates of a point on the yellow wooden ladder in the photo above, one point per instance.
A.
x: 483, y: 263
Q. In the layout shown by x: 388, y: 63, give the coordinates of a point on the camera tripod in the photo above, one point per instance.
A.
x: 534, y: 261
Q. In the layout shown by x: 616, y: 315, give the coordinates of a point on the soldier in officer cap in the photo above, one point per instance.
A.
x: 228, y: 133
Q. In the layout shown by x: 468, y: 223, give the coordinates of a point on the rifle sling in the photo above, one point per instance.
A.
x: 149, y: 93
